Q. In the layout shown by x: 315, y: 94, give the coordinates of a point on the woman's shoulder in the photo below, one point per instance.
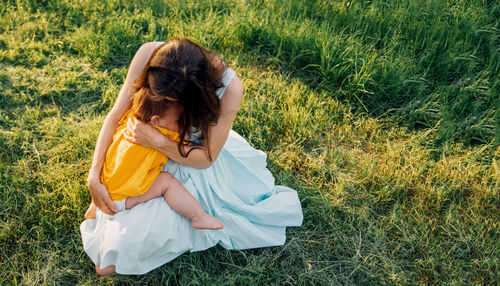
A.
x: 232, y: 95
x: 139, y: 61
x: 227, y: 76
x: 148, y: 47
x: 145, y: 50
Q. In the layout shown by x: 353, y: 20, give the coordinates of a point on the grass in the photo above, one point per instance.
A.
x: 381, y: 114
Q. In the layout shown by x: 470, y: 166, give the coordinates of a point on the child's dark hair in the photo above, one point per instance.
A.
x: 145, y: 105
x: 183, y: 71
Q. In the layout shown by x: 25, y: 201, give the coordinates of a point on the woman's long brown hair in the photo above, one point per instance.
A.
x: 183, y: 71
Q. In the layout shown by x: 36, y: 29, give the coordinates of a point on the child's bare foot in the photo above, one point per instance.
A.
x: 206, y: 221
x: 90, y: 213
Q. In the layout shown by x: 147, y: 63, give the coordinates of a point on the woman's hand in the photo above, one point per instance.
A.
x: 100, y: 196
x: 143, y: 134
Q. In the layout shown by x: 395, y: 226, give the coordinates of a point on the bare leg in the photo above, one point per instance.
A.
x: 90, y: 213
x: 106, y: 271
x: 179, y: 199
x: 157, y: 189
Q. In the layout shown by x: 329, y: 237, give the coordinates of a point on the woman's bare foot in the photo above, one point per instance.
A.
x: 206, y: 221
x: 90, y: 213
x: 106, y: 271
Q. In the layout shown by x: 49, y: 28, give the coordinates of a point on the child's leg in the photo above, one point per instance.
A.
x: 90, y: 213
x: 179, y: 199
x: 157, y: 189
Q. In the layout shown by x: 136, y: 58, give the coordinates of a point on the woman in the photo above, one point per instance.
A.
x: 223, y: 172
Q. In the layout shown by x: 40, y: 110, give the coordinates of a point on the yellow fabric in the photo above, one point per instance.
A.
x: 130, y: 169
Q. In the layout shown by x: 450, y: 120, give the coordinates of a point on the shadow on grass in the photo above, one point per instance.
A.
x: 419, y: 79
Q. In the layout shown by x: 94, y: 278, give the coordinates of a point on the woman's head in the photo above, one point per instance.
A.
x: 186, y: 73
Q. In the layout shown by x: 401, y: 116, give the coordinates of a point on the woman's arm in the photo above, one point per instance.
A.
x: 146, y: 135
x: 100, y: 195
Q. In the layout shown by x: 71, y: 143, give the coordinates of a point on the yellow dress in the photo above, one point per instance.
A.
x: 130, y: 169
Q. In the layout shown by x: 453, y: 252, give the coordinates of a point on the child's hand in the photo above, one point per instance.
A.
x: 100, y: 197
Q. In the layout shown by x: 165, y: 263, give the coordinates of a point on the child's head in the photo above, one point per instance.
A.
x: 147, y: 106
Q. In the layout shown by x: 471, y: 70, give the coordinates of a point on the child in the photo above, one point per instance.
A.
x: 133, y: 173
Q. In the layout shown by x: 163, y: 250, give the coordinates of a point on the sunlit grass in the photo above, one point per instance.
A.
x: 379, y: 113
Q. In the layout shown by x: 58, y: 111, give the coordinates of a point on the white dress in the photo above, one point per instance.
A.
x: 238, y: 189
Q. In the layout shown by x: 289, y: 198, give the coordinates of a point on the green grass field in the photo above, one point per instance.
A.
x: 381, y: 114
